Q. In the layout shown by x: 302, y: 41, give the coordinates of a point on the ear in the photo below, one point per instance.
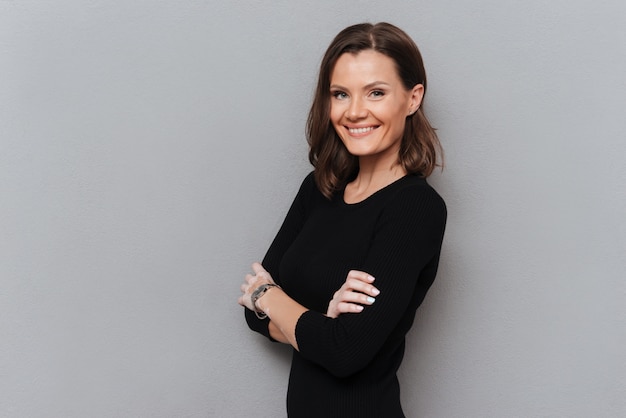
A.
x: 417, y: 94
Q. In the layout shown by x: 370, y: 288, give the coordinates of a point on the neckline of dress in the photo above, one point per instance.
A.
x: 371, y: 196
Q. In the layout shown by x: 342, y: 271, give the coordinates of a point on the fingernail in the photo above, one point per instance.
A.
x: 370, y: 299
x: 359, y: 308
x: 376, y: 292
x: 371, y: 278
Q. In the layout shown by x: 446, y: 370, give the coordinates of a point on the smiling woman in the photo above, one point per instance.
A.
x: 366, y: 211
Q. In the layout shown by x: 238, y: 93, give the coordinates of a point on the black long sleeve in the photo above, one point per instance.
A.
x: 347, y: 366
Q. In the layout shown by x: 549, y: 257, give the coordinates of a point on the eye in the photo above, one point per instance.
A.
x: 339, y: 95
x: 377, y: 94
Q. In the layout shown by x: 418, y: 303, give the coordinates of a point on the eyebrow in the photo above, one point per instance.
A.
x: 366, y: 87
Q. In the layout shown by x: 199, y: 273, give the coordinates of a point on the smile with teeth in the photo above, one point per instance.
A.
x: 361, y: 130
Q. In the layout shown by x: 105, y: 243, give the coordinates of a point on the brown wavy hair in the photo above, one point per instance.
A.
x: 420, y: 150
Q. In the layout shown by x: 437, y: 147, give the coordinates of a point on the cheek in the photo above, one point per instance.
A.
x: 399, y: 117
x: 335, y: 114
x: 397, y: 124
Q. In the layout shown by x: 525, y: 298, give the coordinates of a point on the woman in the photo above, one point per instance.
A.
x: 365, y: 212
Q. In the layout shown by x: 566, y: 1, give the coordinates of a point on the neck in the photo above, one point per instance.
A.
x: 381, y: 166
x: 374, y: 175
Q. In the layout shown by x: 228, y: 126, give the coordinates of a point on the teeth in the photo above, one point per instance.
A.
x: 360, y: 130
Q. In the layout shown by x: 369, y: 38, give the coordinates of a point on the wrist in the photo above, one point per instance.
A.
x: 256, y: 295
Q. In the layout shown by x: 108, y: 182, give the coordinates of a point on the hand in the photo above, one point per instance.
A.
x: 252, y: 282
x: 356, y: 291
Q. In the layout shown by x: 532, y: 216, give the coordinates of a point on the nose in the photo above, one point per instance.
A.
x: 356, y: 110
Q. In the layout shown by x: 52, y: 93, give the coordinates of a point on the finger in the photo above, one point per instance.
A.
x: 250, y: 279
x: 258, y: 268
x: 359, y: 286
x: 344, y: 307
x: 361, y: 275
x: 355, y: 297
x: 337, y: 308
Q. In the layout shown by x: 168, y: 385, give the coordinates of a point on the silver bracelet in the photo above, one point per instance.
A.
x: 256, y: 295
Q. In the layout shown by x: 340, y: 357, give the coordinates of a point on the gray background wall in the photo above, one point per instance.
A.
x: 149, y: 150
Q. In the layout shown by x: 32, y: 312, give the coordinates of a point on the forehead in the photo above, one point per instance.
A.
x: 368, y: 65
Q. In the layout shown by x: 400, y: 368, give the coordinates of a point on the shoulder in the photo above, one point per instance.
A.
x: 309, y: 181
x: 308, y: 194
x: 415, y: 200
x: 308, y: 187
x: 414, y: 189
x: 414, y: 215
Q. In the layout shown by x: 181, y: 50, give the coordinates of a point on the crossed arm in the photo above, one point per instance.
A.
x: 284, y: 312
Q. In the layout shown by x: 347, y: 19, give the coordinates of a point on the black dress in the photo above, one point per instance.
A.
x: 346, y: 367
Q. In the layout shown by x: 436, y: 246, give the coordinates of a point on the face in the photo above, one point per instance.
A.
x: 369, y: 105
